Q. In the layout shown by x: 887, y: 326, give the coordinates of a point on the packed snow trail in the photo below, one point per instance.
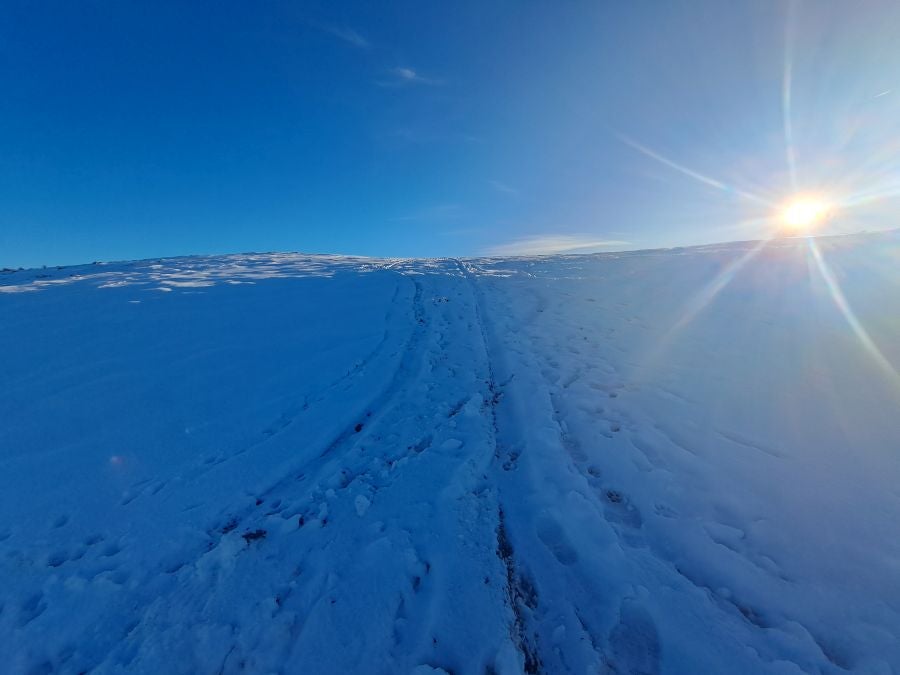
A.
x: 654, y: 462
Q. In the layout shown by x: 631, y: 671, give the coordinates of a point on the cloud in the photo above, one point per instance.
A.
x: 554, y: 243
x: 503, y: 187
x: 423, y: 135
x: 436, y: 212
x: 402, y: 77
x: 458, y: 232
x: 345, y: 34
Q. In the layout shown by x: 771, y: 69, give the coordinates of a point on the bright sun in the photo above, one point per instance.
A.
x: 804, y: 214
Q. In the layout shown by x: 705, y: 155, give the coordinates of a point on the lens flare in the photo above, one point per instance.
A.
x: 805, y: 214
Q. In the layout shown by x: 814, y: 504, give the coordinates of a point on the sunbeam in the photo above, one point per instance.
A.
x: 840, y: 300
x: 786, y: 93
x: 874, y: 194
x: 709, y: 292
x: 696, y: 304
x: 706, y: 180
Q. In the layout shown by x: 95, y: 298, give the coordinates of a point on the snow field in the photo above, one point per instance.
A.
x: 654, y: 462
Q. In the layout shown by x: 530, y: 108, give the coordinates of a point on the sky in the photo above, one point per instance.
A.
x: 148, y: 129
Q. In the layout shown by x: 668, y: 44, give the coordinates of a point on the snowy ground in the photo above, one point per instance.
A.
x: 678, y: 461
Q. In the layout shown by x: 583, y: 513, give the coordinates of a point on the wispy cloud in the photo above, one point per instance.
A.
x: 345, y: 34
x: 554, y: 243
x: 421, y: 135
x: 503, y: 187
x: 416, y: 136
x: 403, y: 77
x: 460, y: 232
x: 436, y: 212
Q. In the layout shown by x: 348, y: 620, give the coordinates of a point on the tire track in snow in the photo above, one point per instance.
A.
x: 301, y: 567
x: 565, y: 609
x: 409, y: 414
x: 521, y: 594
x: 634, y: 643
x: 250, y: 523
x: 293, y: 411
x: 375, y: 408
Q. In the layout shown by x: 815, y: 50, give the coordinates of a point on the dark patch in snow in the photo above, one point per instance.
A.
x: 519, y: 592
x: 254, y: 535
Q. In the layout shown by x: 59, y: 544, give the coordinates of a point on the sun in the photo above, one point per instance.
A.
x: 804, y: 214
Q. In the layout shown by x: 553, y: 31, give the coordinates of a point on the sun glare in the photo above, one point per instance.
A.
x: 805, y: 214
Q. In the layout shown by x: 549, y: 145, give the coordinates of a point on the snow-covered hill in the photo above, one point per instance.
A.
x: 680, y: 461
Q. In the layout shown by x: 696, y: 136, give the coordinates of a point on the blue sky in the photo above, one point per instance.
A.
x: 133, y: 130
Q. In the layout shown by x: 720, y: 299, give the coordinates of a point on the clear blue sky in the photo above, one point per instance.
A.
x: 142, y: 129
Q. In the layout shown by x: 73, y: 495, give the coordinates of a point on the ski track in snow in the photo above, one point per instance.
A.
x: 314, y: 464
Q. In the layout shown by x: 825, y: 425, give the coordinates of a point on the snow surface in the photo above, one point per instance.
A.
x: 680, y: 461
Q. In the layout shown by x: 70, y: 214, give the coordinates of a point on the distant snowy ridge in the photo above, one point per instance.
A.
x: 673, y: 461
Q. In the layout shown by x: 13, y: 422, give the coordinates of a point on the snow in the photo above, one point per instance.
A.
x: 673, y: 461
x: 362, y: 505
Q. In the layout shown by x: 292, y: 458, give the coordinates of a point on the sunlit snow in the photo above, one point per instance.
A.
x: 673, y: 461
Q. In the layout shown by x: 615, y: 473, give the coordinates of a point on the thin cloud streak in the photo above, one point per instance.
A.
x: 403, y: 76
x: 345, y: 34
x: 503, y: 187
x: 423, y: 136
x: 436, y: 212
x: 550, y: 244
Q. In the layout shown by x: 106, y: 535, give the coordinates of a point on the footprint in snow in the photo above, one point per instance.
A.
x: 362, y: 504
x: 31, y: 608
x: 635, y: 641
x: 57, y: 559
x: 111, y: 549
x: 254, y: 535
x: 619, y: 509
x: 552, y: 536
